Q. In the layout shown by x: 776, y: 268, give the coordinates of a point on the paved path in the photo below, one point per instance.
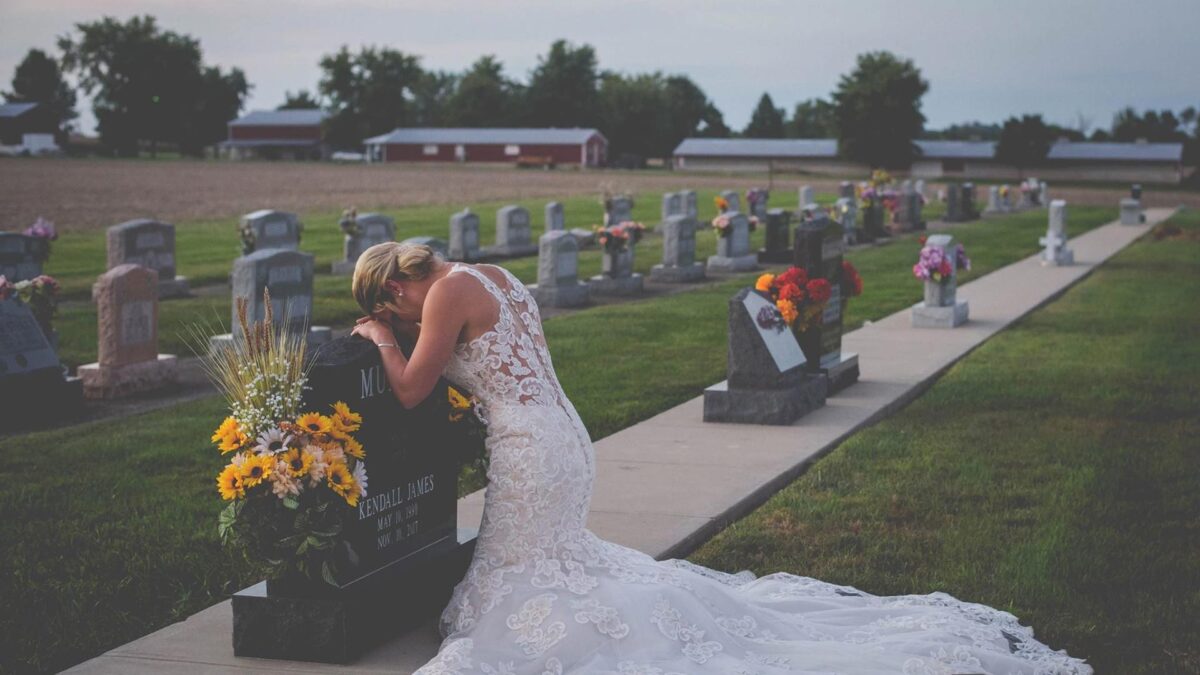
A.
x: 665, y: 485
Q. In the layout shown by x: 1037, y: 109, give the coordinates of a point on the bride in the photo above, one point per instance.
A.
x: 543, y: 595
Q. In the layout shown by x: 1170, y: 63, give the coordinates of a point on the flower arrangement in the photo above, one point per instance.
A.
x: 721, y: 203
x: 349, y: 222
x: 619, y: 237
x: 934, y: 265
x: 293, y: 474
x: 879, y: 178
x: 464, y: 411
x: 246, y: 232
x: 42, y: 229
x: 799, y: 301
x: 754, y: 196
x: 40, y: 293
x: 852, y: 283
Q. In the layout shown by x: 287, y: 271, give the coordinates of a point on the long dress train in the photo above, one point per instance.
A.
x: 543, y: 595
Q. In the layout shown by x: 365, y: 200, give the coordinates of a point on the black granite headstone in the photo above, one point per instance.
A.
x: 33, y: 388
x: 819, y: 250
x: 777, y: 248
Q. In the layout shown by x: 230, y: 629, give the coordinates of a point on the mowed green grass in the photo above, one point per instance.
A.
x: 117, y: 519
x: 1054, y: 473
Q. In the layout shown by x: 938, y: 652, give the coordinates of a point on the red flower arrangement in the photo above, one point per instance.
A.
x: 852, y: 283
x: 798, y: 299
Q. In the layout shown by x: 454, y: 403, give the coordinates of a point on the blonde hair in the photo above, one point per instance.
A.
x: 389, y: 260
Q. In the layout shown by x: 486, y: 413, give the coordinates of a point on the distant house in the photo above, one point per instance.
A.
x: 19, y: 119
x: 277, y: 134
x: 958, y: 159
x: 1142, y: 162
x: 583, y: 147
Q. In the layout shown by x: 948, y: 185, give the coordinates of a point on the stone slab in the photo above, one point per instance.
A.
x: 682, y: 274
x: 606, y: 285
x: 127, y: 379
x: 954, y: 316
x: 724, y: 403
x: 562, y: 295
x: 723, y: 265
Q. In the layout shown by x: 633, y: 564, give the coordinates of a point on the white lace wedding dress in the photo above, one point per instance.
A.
x: 543, y: 595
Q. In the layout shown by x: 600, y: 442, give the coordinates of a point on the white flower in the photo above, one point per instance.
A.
x: 360, y: 477
x: 282, y: 483
x: 316, y: 472
x: 273, y: 442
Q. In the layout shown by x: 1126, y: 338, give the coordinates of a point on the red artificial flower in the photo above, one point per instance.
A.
x: 819, y: 291
x: 791, y: 292
x: 794, y: 275
x: 945, y: 269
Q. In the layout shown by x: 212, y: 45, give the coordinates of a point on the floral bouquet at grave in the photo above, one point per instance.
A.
x: 620, y: 237
x: 799, y: 301
x: 293, y: 474
x: 465, y: 414
x: 852, y: 283
x: 44, y: 230
x: 246, y: 232
x: 754, y: 196
x: 722, y: 224
x: 721, y: 203
x: 349, y: 222
x: 934, y: 265
x: 40, y: 293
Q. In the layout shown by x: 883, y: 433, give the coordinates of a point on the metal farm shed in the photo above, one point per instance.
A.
x: 583, y: 147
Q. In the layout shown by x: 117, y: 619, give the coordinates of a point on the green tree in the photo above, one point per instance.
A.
x: 634, y: 117
x: 767, y: 120
x: 150, y: 85
x: 688, y: 111
x: 713, y: 124
x: 38, y: 79
x: 369, y: 93
x: 484, y: 97
x: 878, y: 110
x: 563, y: 89
x: 431, y: 97
x: 967, y: 131
x: 813, y: 118
x: 1024, y: 142
x: 301, y: 100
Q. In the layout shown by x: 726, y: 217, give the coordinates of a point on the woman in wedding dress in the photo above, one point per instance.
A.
x: 543, y: 595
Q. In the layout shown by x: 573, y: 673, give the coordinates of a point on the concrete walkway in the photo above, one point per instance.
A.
x: 667, y: 484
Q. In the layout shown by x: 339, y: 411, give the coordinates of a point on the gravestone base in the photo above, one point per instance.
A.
x: 677, y: 275
x: 764, y: 406
x: 939, y: 317
x: 338, y: 625
x: 511, y: 251
x: 342, y: 268
x: 723, y: 265
x: 841, y: 372
x: 40, y: 398
x: 1063, y: 257
x: 564, y: 295
x: 605, y: 285
x: 101, y: 382
x: 782, y: 256
x: 317, y: 336
x: 173, y: 288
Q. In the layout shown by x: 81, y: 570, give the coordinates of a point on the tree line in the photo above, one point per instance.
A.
x: 151, y: 87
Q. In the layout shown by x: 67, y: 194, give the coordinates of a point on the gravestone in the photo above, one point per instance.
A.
x: 941, y: 308
x: 958, y: 204
x: 758, y: 209
x: 128, y: 361
x: 1030, y: 193
x: 288, y: 275
x: 733, y: 249
x: 33, y: 388
x: 768, y: 382
x: 619, y: 210
x: 733, y: 199
x: 21, y: 256
x: 969, y: 205
x: 616, y: 274
x: 807, y: 196
x: 402, y: 552
x: 1055, y: 251
x: 438, y: 245
x: 514, y: 233
x: 148, y: 243
x: 919, y: 186
x: 672, y: 205
x: 464, y: 236
x: 273, y: 229
x: 1135, y: 191
x: 691, y: 206
x: 777, y: 247
x: 1043, y: 193
x: 846, y: 209
x: 819, y: 250
x: 679, y: 264
x: 845, y: 189
x: 558, y: 282
x: 1131, y: 212
x: 994, y: 204
x: 555, y: 220
x: 907, y: 216
x: 373, y: 228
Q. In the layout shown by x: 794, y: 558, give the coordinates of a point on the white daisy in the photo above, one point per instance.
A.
x: 273, y: 442
x: 360, y: 477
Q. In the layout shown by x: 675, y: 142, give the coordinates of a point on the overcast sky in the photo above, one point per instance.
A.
x: 984, y: 59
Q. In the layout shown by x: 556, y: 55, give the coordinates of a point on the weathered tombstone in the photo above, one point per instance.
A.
x: 672, y: 205
x: 907, y: 216
x: 691, y: 206
x: 438, y: 245
x: 941, y: 309
x: 1131, y: 212
x: 1055, y: 251
x: 777, y: 247
x: 818, y: 251
x: 768, y: 382
x: 21, y: 256
x: 845, y: 189
x: 616, y: 274
x: 371, y: 229
x: 288, y: 275
x: 273, y: 229
x: 33, y: 388
x: 846, y: 208
x: 619, y: 210
x: 558, y: 282
x: 555, y: 220
x: 758, y: 208
x: 733, y: 248
x: 514, y: 233
x: 958, y: 203
x: 1135, y: 191
x: 994, y: 204
x: 128, y: 361
x: 148, y: 243
x: 464, y: 236
x: 969, y: 208
x: 679, y: 264
x: 402, y: 551
x: 1043, y: 193
x: 807, y: 196
x: 734, y: 200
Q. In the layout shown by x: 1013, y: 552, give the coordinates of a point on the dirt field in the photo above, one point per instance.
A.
x: 80, y: 194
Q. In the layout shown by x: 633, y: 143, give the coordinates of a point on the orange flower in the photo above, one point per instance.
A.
x: 788, y: 309
x: 764, y: 283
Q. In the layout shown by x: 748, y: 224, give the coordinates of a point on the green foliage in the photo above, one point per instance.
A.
x: 301, y: 100
x: 38, y: 79
x: 967, y: 131
x: 767, y: 120
x: 563, y: 88
x: 369, y: 93
x: 1024, y: 142
x: 150, y: 85
x: 878, y: 110
x: 814, y: 118
x: 483, y: 97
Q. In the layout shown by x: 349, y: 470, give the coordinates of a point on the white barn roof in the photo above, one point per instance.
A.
x: 957, y: 149
x: 757, y: 147
x: 16, y: 109
x: 1129, y: 152
x: 496, y: 136
x: 280, y: 118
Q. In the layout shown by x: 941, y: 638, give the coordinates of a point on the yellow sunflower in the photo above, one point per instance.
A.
x: 764, y: 283
x: 344, y: 419
x: 256, y: 469
x: 229, y: 436
x: 314, y: 423
x: 298, y: 462
x: 229, y: 483
x: 340, y: 481
x: 354, y: 448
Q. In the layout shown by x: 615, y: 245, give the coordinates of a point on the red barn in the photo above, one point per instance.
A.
x: 277, y: 134
x: 583, y: 147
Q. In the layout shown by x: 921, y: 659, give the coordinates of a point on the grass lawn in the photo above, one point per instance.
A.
x: 1053, y: 473
x: 117, y: 519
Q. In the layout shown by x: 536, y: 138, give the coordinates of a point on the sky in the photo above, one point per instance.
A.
x: 1076, y: 62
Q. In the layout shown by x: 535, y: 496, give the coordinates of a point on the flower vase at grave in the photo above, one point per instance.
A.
x: 617, y: 264
x: 941, y: 307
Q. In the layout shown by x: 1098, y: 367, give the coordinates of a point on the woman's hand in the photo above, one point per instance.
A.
x: 374, y: 330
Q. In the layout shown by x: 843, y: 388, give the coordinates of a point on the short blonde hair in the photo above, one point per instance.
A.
x: 388, y: 261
